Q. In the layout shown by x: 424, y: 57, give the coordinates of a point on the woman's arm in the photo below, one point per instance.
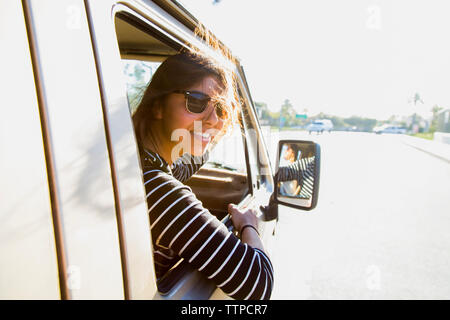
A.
x: 179, y: 222
x: 299, y: 170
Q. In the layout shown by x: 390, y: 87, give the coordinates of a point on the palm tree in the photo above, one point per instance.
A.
x: 415, y: 99
x: 435, y: 110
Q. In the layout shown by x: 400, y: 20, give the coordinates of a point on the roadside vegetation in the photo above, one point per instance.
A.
x: 423, y: 135
x: 289, y: 118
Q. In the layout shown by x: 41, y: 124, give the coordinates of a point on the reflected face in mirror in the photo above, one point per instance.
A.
x: 288, y: 153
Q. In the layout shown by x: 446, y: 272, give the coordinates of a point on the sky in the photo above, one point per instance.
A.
x: 347, y: 57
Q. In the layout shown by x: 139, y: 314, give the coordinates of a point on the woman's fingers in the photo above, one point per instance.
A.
x: 240, y: 217
x: 232, y: 208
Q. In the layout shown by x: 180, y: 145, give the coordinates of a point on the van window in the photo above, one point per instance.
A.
x: 142, y: 50
x: 227, y: 154
x: 141, y: 57
x: 137, y: 74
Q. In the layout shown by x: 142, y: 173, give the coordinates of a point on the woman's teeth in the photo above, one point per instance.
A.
x: 203, y: 136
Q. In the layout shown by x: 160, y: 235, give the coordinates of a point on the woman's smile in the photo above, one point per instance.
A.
x: 203, y: 136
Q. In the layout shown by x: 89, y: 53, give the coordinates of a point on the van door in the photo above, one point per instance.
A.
x: 29, y: 267
x: 84, y: 194
x: 123, y: 149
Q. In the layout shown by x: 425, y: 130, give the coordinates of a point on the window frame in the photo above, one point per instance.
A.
x: 145, y: 25
x: 262, y: 166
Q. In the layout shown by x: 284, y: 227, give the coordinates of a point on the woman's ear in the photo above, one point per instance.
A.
x: 157, y: 110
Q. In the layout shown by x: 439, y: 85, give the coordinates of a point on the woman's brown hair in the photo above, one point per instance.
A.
x: 180, y: 72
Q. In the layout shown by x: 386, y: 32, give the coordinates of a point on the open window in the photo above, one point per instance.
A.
x: 224, y: 178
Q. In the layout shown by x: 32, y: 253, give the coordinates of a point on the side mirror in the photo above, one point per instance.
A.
x: 297, y: 174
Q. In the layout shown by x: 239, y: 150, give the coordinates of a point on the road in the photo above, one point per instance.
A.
x: 381, y: 229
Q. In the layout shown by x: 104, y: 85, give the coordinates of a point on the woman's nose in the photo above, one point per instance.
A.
x: 211, y: 117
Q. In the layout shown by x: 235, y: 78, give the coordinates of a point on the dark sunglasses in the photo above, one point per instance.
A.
x: 197, y: 102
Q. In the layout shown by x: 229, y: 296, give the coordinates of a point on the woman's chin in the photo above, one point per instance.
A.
x: 199, y: 150
x: 199, y: 146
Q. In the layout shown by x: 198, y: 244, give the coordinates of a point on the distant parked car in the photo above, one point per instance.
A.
x: 389, y: 129
x: 320, y: 126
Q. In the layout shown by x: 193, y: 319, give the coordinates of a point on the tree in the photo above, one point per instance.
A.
x: 435, y: 110
x: 363, y: 124
x: 137, y: 74
x: 287, y: 114
x: 262, y: 110
x: 415, y: 99
x: 274, y: 118
x: 338, y: 122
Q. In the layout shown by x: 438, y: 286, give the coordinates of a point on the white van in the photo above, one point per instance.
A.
x: 73, y: 211
x: 320, y: 126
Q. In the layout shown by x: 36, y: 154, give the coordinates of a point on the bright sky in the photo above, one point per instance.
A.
x: 346, y: 57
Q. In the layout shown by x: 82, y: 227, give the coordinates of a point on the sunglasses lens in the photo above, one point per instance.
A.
x: 197, y: 102
x: 196, y: 106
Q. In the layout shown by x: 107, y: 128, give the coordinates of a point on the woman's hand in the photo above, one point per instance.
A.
x: 243, y: 217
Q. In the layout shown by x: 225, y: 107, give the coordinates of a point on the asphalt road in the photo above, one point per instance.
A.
x: 381, y: 229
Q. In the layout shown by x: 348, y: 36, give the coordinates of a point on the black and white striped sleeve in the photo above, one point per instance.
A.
x: 185, y: 166
x: 180, y: 223
x: 300, y: 170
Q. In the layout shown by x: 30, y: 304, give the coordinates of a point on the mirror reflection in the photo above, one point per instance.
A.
x: 295, y: 175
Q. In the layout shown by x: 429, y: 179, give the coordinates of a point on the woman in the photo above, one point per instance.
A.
x: 288, y: 188
x: 194, y: 97
x: 296, y: 177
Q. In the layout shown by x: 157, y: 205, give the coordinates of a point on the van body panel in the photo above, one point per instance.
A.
x: 136, y: 225
x: 29, y: 268
x: 77, y: 136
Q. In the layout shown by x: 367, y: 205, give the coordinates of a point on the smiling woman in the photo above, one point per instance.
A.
x: 181, y: 96
x: 191, y: 97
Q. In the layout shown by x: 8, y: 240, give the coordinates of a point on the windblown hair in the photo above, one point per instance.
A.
x: 185, y: 69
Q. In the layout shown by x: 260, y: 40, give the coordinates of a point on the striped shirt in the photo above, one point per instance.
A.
x: 182, y: 228
x: 301, y: 170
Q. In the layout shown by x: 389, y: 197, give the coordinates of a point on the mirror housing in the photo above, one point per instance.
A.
x: 297, y: 174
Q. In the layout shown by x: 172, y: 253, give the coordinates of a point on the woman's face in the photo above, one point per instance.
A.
x: 196, y: 130
x: 289, y: 154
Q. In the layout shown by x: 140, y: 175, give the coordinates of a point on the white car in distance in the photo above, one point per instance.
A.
x: 389, y: 129
x: 320, y: 126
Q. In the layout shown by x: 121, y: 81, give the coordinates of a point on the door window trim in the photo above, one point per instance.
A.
x: 131, y: 15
